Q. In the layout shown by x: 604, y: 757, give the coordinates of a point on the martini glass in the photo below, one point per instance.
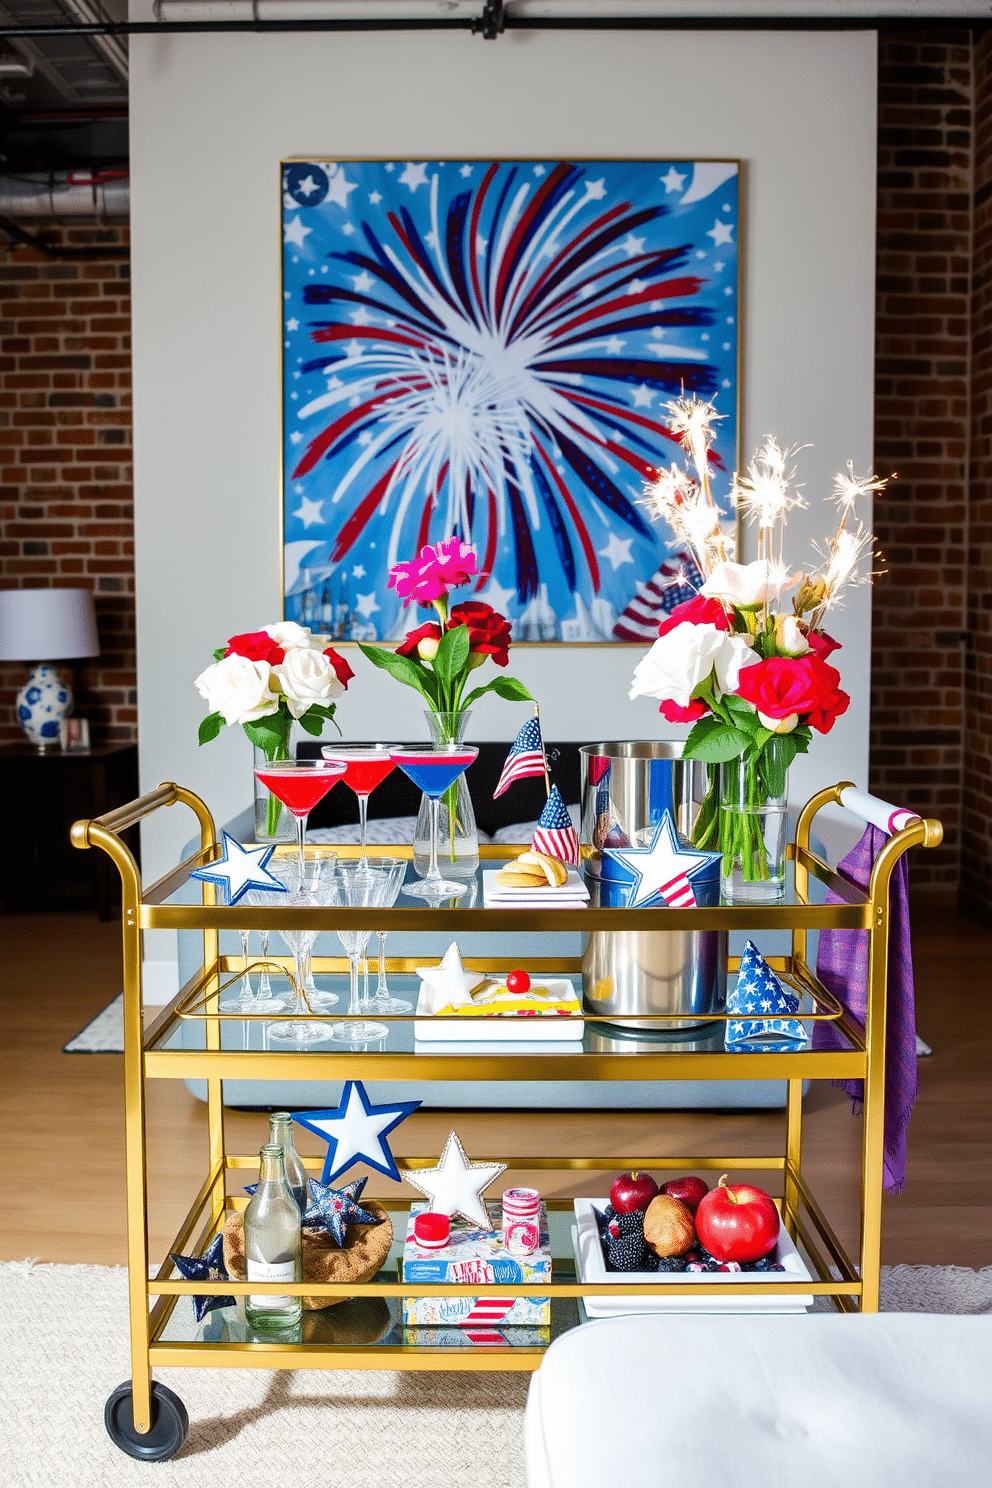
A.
x: 300, y: 784
x: 383, y: 1002
x: 364, y: 769
x: 433, y: 771
x: 316, y: 887
x: 358, y: 890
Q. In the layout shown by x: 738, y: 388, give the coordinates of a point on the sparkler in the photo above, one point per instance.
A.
x: 687, y: 505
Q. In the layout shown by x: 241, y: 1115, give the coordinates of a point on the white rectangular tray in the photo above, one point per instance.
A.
x: 572, y: 894
x: 539, y: 1030
x: 591, y: 1264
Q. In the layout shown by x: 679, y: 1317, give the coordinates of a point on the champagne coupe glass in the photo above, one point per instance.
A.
x: 358, y: 890
x: 432, y: 771
x: 364, y: 769
x: 300, y: 784
x: 316, y: 886
x: 383, y: 1002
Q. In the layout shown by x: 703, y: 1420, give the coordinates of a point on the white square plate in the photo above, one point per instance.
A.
x: 505, y: 1030
x: 572, y: 894
x: 591, y: 1265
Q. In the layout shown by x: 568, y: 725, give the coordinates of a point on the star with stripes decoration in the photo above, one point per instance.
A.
x: 208, y: 1267
x: 239, y: 869
x: 526, y: 757
x: 356, y: 1131
x: 662, y: 870
x: 554, y: 835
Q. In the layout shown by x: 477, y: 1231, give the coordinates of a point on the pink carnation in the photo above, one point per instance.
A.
x: 436, y: 569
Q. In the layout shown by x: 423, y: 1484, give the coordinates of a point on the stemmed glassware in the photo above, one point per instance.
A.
x: 316, y: 886
x: 358, y: 889
x: 433, y: 771
x: 300, y: 784
x: 364, y: 769
x: 383, y: 1002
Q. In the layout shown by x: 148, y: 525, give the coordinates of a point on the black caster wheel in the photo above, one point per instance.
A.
x: 169, y: 1425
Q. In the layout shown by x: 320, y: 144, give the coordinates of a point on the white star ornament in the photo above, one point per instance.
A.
x: 456, y: 1185
x: 239, y: 869
x: 662, y: 870
x: 449, y: 983
x: 295, y: 232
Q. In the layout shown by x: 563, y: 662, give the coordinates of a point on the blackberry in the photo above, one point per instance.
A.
x: 626, y: 1253
x: 762, y: 1264
x: 702, y: 1254
x: 711, y: 1265
x: 672, y: 1263
x: 629, y: 1224
x: 609, y: 1212
x: 776, y: 1268
x: 651, y: 1262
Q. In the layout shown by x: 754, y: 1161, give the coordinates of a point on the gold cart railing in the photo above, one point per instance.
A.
x: 162, y: 1051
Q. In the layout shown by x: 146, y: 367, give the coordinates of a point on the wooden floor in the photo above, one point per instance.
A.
x: 63, y: 1198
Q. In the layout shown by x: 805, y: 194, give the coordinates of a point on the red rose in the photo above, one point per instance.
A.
x: 696, y: 611
x: 821, y: 644
x: 488, y: 630
x: 256, y: 645
x: 675, y: 714
x: 410, y: 642
x: 795, y: 684
x: 342, y: 670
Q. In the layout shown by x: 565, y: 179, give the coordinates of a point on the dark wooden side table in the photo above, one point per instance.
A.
x: 43, y: 794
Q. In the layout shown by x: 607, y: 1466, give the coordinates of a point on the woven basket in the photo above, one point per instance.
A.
x: 358, y: 1260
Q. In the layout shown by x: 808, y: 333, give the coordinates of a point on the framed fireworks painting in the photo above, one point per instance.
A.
x: 488, y: 349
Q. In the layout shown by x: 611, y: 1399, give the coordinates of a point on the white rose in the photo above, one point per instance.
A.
x: 746, y: 584
x: 238, y: 688
x: 306, y: 677
x: 778, y: 725
x: 734, y: 655
x: 289, y: 635
x: 789, y: 639
x: 677, y: 663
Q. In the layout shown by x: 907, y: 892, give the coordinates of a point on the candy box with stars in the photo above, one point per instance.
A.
x: 476, y: 1255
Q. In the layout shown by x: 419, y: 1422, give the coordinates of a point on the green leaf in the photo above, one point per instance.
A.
x: 270, y: 734
x: 451, y: 655
x: 738, y: 704
x: 716, y: 745
x: 504, y: 687
x: 220, y: 653
x: 313, y: 725
x: 210, y: 727
x: 409, y: 672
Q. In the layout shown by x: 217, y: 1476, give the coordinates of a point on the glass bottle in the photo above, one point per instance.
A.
x: 273, y: 1244
x: 281, y: 1135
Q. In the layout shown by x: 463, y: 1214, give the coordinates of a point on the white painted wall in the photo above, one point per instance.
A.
x: 212, y: 116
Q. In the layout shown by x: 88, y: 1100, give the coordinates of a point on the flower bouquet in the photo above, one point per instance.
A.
x: 438, y: 658
x: 748, y: 670
x: 265, y: 680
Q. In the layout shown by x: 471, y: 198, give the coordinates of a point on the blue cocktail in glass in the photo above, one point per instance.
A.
x: 433, y: 771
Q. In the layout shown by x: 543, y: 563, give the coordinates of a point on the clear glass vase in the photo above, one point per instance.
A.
x: 753, y: 826
x: 274, y: 822
x: 457, y: 834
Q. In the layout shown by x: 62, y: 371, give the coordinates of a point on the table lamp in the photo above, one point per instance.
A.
x: 54, y: 624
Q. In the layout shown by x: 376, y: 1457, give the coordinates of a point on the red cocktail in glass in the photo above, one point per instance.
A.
x: 364, y: 769
x: 300, y: 784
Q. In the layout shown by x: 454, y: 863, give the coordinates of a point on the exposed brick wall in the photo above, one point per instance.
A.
x: 66, y: 513
x: 921, y: 432
x: 976, y: 825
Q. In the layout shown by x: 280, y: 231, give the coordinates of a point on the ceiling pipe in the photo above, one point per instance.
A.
x: 65, y: 197
x: 114, y: 51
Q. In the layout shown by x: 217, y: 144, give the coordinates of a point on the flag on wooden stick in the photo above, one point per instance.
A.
x: 526, y: 757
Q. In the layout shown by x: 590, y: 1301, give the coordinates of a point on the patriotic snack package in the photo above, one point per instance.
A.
x: 477, y: 1337
x: 477, y: 1255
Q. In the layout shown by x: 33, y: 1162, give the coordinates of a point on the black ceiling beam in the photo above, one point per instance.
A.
x: 494, y: 18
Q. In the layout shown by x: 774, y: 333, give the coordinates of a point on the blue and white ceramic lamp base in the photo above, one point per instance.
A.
x: 42, y: 703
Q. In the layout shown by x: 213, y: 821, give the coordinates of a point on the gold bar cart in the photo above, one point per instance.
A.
x: 148, y: 1421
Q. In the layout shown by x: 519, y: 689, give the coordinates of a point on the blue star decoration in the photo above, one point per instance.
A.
x: 761, y: 996
x: 239, y: 869
x: 356, y: 1132
x: 662, y: 871
x: 208, y: 1267
x: 333, y: 1209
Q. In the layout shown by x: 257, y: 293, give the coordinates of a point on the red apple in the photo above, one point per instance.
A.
x: 632, y: 1191
x: 689, y: 1189
x: 736, y: 1222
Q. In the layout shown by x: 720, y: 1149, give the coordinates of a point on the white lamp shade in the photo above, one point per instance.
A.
x: 47, y: 625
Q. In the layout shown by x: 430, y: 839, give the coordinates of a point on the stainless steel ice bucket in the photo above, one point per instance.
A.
x: 627, y: 786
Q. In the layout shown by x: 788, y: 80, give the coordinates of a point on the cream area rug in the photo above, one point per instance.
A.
x: 65, y: 1349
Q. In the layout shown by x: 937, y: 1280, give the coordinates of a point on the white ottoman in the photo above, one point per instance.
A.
x: 890, y: 1400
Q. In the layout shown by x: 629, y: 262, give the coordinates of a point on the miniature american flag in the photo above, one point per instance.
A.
x: 526, y: 756
x: 677, y: 580
x: 555, y: 836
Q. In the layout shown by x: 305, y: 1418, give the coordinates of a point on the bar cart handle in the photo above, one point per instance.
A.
x: 881, y: 814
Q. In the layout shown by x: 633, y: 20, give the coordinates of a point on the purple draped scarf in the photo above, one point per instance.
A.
x: 842, y: 967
